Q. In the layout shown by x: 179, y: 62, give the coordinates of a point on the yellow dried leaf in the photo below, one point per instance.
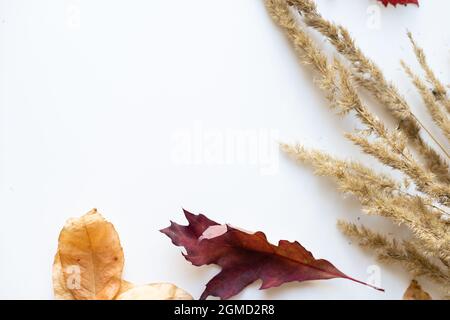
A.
x: 91, y: 259
x: 415, y: 292
x: 59, y: 285
x: 155, y: 291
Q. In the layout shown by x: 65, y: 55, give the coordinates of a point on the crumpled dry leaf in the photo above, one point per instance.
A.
x: 89, y: 261
x: 415, y: 292
x: 155, y: 291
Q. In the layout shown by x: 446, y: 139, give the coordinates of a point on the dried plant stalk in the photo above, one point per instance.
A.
x: 370, y: 76
x: 439, y: 90
x: 431, y: 102
x: 420, y: 202
x: 405, y: 253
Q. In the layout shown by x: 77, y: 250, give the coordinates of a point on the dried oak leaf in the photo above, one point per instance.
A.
x: 396, y: 2
x: 89, y: 261
x: 246, y: 257
x: 415, y: 292
x: 155, y: 291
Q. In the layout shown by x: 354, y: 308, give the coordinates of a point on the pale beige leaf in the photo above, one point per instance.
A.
x: 91, y: 257
x: 125, y: 286
x: 415, y: 292
x: 155, y: 291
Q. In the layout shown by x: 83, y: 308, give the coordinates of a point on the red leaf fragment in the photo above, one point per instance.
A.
x: 246, y: 257
x: 396, y: 2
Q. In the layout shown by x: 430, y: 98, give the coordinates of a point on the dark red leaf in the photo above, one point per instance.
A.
x: 396, y: 2
x: 246, y: 257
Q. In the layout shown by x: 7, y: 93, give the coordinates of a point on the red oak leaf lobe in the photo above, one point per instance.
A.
x: 245, y: 258
x: 396, y: 2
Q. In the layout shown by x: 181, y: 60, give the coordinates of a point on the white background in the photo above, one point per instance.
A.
x: 95, y: 93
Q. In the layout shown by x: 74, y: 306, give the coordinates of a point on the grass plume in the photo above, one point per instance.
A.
x: 421, y: 201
